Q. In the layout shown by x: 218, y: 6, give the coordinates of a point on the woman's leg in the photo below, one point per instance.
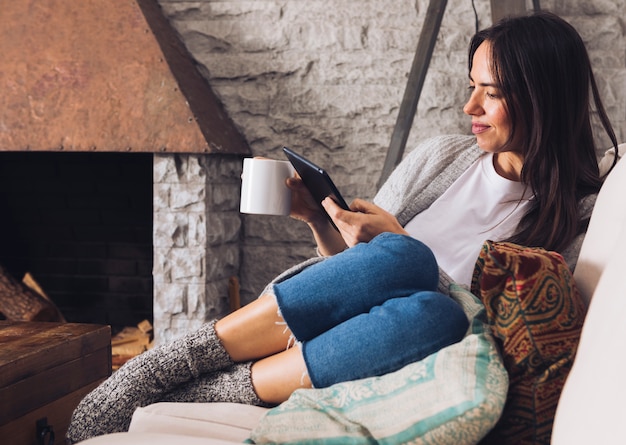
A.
x: 351, y: 283
x: 276, y: 377
x: 162, y: 374
x: 334, y: 290
x: 266, y: 382
x: 390, y: 265
x: 232, y: 384
x: 328, y: 293
x: 254, y: 331
x: 390, y: 336
x: 249, y: 333
x: 144, y: 379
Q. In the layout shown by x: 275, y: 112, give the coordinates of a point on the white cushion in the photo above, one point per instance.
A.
x: 188, y: 423
x: 226, y: 421
x: 153, y: 439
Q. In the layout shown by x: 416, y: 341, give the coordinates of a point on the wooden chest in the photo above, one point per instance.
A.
x: 45, y: 370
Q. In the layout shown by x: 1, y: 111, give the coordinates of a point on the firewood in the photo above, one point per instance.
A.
x: 130, y: 342
x: 130, y: 335
x: 18, y: 302
x: 30, y: 281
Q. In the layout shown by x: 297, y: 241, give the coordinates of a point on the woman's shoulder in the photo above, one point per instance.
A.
x: 434, y: 163
x: 443, y: 150
x: 448, y: 142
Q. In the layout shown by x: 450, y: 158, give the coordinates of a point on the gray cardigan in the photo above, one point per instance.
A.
x: 422, y: 176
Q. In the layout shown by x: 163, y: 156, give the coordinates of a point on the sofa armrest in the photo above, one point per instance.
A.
x: 591, y: 406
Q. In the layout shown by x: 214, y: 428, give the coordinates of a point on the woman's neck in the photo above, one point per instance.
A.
x: 509, y: 164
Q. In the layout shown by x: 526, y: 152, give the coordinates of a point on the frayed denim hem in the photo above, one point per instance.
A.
x: 269, y: 291
x: 292, y: 340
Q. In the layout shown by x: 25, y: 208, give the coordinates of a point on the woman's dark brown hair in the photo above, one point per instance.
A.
x: 542, y: 68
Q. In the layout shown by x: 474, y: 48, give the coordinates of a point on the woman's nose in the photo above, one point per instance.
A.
x: 472, y: 107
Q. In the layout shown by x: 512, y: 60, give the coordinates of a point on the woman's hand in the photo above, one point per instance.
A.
x: 363, y: 223
x: 305, y: 208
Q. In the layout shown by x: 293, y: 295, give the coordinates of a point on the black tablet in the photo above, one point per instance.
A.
x: 316, y: 179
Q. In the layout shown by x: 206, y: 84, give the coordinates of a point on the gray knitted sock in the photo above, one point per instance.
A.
x: 144, y: 380
x: 233, y: 384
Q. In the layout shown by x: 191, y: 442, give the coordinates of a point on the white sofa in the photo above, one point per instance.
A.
x: 591, y: 409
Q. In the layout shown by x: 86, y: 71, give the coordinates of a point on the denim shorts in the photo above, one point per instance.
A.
x: 369, y: 310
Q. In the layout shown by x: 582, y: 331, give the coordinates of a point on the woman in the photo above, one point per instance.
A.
x: 375, y: 298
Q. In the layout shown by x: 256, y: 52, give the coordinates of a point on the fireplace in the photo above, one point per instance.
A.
x: 75, y: 109
x: 117, y: 238
x: 81, y: 225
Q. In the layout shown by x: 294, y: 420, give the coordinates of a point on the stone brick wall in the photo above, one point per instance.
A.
x: 196, y: 239
x: 327, y: 77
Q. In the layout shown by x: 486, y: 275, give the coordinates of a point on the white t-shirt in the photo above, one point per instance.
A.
x: 480, y: 205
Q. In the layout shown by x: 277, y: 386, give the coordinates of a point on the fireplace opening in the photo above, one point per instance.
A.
x: 81, y: 225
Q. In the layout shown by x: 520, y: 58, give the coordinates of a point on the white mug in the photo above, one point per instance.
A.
x: 263, y: 188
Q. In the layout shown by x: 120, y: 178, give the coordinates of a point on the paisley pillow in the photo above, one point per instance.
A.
x: 536, y: 314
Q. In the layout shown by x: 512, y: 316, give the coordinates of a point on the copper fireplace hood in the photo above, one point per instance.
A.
x: 102, y: 75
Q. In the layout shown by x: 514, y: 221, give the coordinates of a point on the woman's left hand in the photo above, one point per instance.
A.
x: 365, y: 221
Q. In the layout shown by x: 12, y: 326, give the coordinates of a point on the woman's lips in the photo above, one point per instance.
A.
x: 479, y: 128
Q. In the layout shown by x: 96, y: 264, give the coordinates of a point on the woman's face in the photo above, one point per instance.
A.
x: 490, y: 119
x: 491, y: 122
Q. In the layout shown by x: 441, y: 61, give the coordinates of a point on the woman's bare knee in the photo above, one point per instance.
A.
x: 254, y: 331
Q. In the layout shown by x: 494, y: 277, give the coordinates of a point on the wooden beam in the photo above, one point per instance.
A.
x: 507, y: 8
x: 408, y: 107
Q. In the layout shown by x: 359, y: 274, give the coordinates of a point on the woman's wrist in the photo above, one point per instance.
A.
x: 320, y: 224
x: 328, y: 239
